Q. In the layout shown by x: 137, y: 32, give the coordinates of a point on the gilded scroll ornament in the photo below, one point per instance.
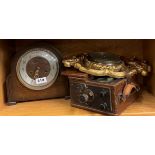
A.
x: 108, y: 64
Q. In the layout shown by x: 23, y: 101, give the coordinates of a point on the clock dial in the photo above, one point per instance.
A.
x: 38, y: 68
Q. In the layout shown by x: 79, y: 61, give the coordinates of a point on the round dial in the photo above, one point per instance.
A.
x: 37, y: 68
x: 86, y: 97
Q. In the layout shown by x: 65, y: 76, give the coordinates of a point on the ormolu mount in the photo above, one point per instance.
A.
x: 108, y: 64
x: 104, y: 82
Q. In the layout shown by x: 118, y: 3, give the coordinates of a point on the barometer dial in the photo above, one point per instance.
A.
x: 38, y: 68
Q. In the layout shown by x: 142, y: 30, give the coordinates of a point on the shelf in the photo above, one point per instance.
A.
x: 145, y: 106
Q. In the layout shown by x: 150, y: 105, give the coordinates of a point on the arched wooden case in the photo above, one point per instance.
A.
x: 17, y: 92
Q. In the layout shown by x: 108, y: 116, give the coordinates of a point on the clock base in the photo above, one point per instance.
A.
x: 16, y: 92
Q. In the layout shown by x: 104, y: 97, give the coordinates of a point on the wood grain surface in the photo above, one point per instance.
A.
x: 144, y: 106
x: 60, y: 107
x: 149, y: 55
x: 6, y: 49
x: 69, y: 47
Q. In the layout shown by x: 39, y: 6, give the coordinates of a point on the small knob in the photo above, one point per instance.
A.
x: 81, y: 87
x: 84, y: 98
x: 103, y: 105
x: 103, y: 93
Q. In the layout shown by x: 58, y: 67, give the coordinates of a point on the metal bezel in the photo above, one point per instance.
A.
x: 49, y: 56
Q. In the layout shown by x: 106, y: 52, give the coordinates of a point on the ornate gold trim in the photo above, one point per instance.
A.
x: 128, y: 68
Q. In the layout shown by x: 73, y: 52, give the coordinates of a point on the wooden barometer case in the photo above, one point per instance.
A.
x: 35, y: 75
x: 102, y: 95
x: 104, y: 82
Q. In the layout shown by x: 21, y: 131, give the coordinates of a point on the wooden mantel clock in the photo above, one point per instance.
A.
x: 35, y: 75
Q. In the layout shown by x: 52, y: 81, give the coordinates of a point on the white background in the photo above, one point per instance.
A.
x: 77, y: 19
x: 72, y: 19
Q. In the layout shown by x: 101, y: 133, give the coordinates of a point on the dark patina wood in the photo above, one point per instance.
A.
x: 107, y: 97
x: 16, y: 92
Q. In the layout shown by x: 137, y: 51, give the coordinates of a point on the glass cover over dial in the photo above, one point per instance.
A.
x: 37, y: 68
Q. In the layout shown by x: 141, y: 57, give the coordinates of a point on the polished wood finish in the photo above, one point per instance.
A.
x: 6, y: 50
x: 149, y: 55
x: 16, y: 92
x: 56, y: 107
x: 118, y: 102
x: 68, y: 47
x: 144, y: 106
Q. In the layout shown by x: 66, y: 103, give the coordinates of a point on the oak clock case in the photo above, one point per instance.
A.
x: 35, y: 75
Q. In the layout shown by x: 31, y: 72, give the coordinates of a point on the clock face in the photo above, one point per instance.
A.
x: 37, y: 68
